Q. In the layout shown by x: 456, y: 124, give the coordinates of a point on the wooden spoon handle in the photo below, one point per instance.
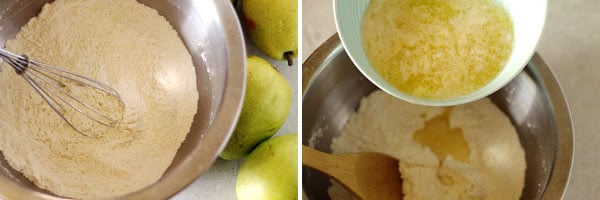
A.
x: 358, y: 172
x: 324, y: 162
x: 316, y: 159
x: 329, y: 164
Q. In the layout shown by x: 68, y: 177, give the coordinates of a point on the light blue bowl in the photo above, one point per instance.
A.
x: 528, y: 22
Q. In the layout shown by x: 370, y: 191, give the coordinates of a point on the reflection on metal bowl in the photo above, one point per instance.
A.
x: 212, y: 34
x: 533, y: 101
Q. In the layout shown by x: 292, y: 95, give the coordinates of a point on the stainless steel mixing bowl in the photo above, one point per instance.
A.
x: 212, y: 33
x: 533, y: 101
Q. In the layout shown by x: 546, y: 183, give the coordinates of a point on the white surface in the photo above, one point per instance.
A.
x: 569, y: 45
x: 219, y: 182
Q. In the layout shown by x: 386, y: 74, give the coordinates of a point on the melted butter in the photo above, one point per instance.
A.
x: 437, y: 49
x: 442, y: 139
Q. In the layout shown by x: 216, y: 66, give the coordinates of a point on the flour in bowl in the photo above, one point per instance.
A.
x: 470, y: 151
x: 131, y: 48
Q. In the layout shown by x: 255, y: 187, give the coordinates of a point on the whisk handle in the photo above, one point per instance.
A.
x: 19, y: 63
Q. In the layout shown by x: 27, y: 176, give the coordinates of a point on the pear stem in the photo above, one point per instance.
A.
x: 288, y: 56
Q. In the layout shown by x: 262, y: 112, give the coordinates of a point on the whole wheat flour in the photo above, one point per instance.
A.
x: 126, y: 45
x: 491, y: 165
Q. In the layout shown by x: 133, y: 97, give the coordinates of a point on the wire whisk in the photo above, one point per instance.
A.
x: 64, y: 91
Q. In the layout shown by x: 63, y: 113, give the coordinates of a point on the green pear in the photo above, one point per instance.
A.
x: 270, y: 171
x: 273, y: 26
x: 266, y: 106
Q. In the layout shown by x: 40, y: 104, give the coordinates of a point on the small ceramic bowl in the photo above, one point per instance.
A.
x: 528, y: 21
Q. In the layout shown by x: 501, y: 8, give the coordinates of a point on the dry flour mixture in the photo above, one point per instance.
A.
x: 470, y: 151
x: 126, y: 45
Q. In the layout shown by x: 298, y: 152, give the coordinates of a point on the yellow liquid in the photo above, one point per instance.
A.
x: 442, y: 139
x: 437, y: 49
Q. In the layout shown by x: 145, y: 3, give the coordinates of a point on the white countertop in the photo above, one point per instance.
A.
x: 570, y: 45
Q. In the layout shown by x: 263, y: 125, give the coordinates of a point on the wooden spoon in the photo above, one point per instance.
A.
x: 368, y: 175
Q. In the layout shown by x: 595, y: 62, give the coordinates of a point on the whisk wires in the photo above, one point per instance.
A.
x: 64, y: 91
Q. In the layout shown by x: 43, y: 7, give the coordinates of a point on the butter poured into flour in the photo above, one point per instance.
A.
x: 494, y: 167
x: 442, y: 139
x: 131, y: 48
